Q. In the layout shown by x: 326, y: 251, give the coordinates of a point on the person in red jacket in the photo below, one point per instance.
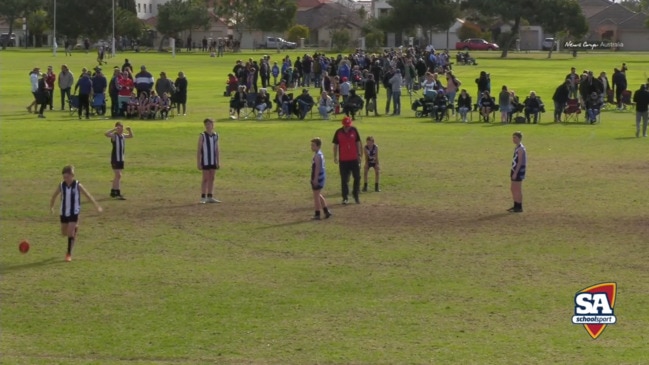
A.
x: 348, y: 152
x: 125, y: 85
x: 50, y: 79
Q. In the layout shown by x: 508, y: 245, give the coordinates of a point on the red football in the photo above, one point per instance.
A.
x: 23, y: 246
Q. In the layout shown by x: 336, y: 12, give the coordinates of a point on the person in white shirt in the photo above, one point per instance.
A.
x: 33, y: 80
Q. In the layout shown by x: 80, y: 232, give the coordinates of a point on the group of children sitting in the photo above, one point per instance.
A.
x: 148, y: 107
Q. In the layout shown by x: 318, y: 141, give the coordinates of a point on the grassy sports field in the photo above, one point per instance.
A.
x: 431, y: 270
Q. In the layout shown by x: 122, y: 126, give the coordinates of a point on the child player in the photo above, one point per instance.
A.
x: 371, y: 162
x: 207, y: 160
x: 70, y: 190
x: 519, y: 164
x: 318, y: 177
x: 117, y: 138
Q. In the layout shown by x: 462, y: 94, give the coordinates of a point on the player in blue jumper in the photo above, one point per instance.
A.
x: 318, y: 178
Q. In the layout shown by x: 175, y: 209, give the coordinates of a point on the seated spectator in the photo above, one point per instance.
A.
x: 154, y: 104
x: 486, y: 105
x: 302, y: 104
x: 238, y: 102
x: 165, y: 106
x: 325, y: 105
x: 439, y: 106
x: 143, y: 105
x: 593, y: 106
x: 353, y: 104
x: 283, y: 102
x: 533, y: 106
x: 133, y: 105
x: 515, y: 107
x: 262, y: 102
x: 429, y: 86
x: 464, y: 104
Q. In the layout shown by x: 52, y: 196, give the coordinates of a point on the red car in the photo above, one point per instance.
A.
x: 476, y: 44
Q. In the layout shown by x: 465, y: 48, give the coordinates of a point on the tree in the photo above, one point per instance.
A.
x: 38, y: 23
x: 562, y: 16
x: 178, y: 15
x: 340, y: 40
x: 127, y: 24
x: 298, y: 31
x: 469, y: 30
x: 428, y: 15
x: 240, y: 14
x: 274, y: 15
x: 11, y: 10
x: 128, y: 5
x: 96, y: 21
x: 374, y: 37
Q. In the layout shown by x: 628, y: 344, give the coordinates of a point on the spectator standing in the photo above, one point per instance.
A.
x: 347, y: 154
x: 560, y: 98
x: 370, y: 95
x: 395, y: 85
x: 143, y: 81
x: 641, y: 100
x: 204, y: 43
x: 452, y: 86
x: 43, y: 95
x: 504, y: 104
x: 51, y: 81
x: 164, y: 85
x: 180, y: 97
x: 66, y: 80
x: 99, y: 86
x: 619, y: 86
x: 127, y: 65
x: 33, y: 81
x: 84, y: 85
x: 113, y: 92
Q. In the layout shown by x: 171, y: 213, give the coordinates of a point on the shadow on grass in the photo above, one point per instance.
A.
x: 493, y: 217
x: 625, y: 138
x: 9, y: 269
x: 286, y: 224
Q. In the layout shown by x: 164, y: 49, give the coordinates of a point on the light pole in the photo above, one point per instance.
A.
x: 112, y: 47
x: 54, y: 45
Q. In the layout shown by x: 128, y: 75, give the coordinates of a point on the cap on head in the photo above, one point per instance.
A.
x: 344, y: 79
x: 347, y: 121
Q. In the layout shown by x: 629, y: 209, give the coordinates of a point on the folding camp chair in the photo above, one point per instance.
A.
x: 73, y: 103
x: 572, y: 110
x: 249, y: 109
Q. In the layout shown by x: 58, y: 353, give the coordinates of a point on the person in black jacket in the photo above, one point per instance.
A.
x: 593, y: 106
x: 533, y: 106
x: 376, y: 71
x: 483, y: 85
x: 370, y: 95
x: 388, y: 88
x: 619, y: 86
x: 560, y: 99
x: 641, y: 100
x: 463, y: 104
x: 353, y: 104
x: 43, y: 94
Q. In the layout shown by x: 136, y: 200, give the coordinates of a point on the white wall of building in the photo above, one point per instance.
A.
x: 148, y: 8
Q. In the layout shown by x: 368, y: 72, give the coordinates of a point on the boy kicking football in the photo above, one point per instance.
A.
x: 70, y: 190
x: 207, y: 160
x: 117, y: 138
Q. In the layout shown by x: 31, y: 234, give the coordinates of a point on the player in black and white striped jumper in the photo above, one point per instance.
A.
x: 70, y: 191
x: 207, y: 160
x: 371, y: 152
x: 117, y: 139
x: 517, y: 174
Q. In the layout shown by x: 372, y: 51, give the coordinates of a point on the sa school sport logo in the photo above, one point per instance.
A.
x: 594, y: 308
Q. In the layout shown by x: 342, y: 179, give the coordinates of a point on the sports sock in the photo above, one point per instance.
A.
x: 202, y: 195
x: 317, y: 213
x: 70, y: 244
x: 326, y: 210
x: 209, y: 195
x: 112, y: 192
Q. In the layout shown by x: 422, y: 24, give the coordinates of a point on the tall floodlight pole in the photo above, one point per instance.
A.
x: 113, y: 44
x: 54, y: 32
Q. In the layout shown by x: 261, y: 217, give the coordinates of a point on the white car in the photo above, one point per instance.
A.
x: 547, y: 44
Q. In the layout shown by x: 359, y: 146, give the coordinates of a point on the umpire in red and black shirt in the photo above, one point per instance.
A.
x: 348, y: 150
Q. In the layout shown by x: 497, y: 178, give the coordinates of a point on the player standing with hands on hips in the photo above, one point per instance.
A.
x: 70, y: 191
x: 347, y: 146
x: 207, y: 160
x: 519, y: 164
x: 117, y: 138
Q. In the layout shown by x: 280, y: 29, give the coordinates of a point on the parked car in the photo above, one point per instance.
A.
x: 547, y: 44
x: 276, y: 42
x: 8, y: 40
x: 476, y: 44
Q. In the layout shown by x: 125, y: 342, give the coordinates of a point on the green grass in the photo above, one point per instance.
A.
x: 431, y: 270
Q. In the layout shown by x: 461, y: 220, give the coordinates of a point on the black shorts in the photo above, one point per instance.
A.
x: 117, y: 165
x: 319, y: 186
x: 209, y: 167
x: 35, y: 95
x: 371, y: 165
x: 519, y: 177
x: 71, y: 219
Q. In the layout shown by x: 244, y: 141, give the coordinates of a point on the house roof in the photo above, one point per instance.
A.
x: 328, y: 13
x: 152, y: 21
x: 636, y: 22
x: 615, y: 12
x: 308, y: 4
x: 592, y: 7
